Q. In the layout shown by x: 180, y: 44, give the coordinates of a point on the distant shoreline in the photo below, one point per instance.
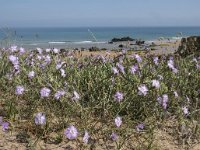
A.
x: 100, y: 45
x: 159, y: 47
x: 81, y: 37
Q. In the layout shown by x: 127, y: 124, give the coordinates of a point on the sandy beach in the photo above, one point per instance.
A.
x: 159, y: 48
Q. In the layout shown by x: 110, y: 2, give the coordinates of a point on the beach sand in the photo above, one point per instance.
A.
x: 12, y: 141
x: 160, y: 48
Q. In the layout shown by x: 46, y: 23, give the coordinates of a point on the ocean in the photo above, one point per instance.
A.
x: 76, y: 37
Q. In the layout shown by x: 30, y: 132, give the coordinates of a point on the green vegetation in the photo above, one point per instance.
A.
x: 89, y: 101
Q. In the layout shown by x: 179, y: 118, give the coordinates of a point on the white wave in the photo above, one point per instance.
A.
x: 150, y: 42
x: 82, y: 42
x: 56, y: 42
x: 176, y: 38
x: 88, y: 42
x: 33, y: 44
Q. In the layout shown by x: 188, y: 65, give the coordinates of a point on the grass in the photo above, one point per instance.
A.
x: 93, y: 79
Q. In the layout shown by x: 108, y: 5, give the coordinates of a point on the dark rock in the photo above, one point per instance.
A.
x: 76, y: 49
x: 153, y: 44
x: 92, y: 49
x: 139, y: 42
x: 103, y: 49
x: 62, y: 50
x: 121, y: 46
x: 189, y: 46
x: 123, y: 39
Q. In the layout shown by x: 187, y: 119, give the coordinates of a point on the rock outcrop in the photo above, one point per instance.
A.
x: 189, y: 46
x: 122, y: 39
x: 139, y: 42
x: 121, y: 46
x: 93, y: 49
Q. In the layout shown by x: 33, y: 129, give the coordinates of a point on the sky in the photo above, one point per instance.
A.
x: 94, y: 13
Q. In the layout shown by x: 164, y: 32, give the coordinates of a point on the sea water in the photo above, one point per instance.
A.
x: 36, y: 37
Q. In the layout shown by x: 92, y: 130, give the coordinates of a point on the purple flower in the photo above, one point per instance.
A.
x: 113, y: 80
x: 155, y: 83
x: 13, y: 48
x: 140, y: 127
x: 115, y: 70
x: 71, y: 132
x: 39, y: 50
x: 102, y: 58
x: 134, y: 69
x: 165, y: 98
x: 31, y: 74
x: 124, y: 51
x: 164, y: 105
x: 121, y: 59
x: 39, y: 57
x: 175, y: 70
x: 121, y: 68
x: 171, y: 58
x: 138, y: 58
x: 197, y: 66
x: 5, y: 126
x: 175, y: 94
x: 86, y: 137
x: 21, y: 50
x: 13, y: 59
x: 170, y: 64
x: 118, y: 96
x: 40, y: 119
x: 47, y: 59
x: 155, y: 60
x: 159, y: 99
x: 63, y: 74
x: 56, y: 51
x: 185, y: 110
x: 118, y: 121
x: 44, y: 92
x: 19, y: 90
x: 188, y: 99
x: 48, y: 50
x: 114, y: 136
x: 16, y: 67
x: 195, y: 60
x: 59, y: 65
x: 164, y: 101
x: 143, y: 90
x: 58, y: 94
x: 76, y: 96
x: 32, y: 63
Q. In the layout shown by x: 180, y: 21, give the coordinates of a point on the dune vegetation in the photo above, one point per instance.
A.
x: 98, y: 102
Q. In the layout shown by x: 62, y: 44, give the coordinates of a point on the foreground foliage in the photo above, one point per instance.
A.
x: 123, y: 99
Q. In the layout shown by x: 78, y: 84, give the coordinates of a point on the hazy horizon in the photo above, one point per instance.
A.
x: 12, y: 27
x: 104, y: 13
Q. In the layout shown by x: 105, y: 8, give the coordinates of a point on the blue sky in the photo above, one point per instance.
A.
x: 76, y: 13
